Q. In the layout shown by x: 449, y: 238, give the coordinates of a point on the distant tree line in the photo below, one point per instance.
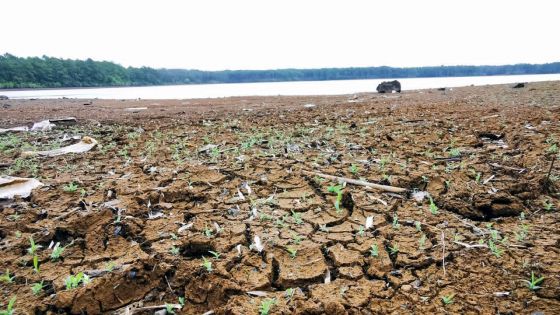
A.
x: 48, y: 72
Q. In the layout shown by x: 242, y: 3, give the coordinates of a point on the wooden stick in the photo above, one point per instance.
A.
x: 357, y: 182
x: 443, y: 250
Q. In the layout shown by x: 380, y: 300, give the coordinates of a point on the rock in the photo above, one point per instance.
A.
x: 4, y: 97
x: 6, y: 106
x: 389, y: 87
x: 519, y: 85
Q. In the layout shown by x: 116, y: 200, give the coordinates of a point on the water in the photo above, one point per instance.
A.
x: 268, y: 88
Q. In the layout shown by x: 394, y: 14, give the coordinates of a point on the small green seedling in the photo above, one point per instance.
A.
x: 534, y: 283
x: 448, y: 299
x: 6, y: 277
x: 169, y: 309
x: 73, y: 281
x: 266, y: 306
x: 182, y: 301
x: 394, y: 249
x: 174, y: 250
x: 354, y: 169
x: 36, y: 263
x: 297, y: 238
x: 10, y: 309
x: 548, y: 205
x: 207, y: 232
x: 292, y: 251
x: 215, y: 254
x: 338, y: 190
x: 36, y: 288
x: 110, y: 266
x: 70, y: 188
x: 290, y: 293
x: 374, y: 251
x: 33, y: 248
x: 495, y: 249
x: 297, y: 218
x: 207, y: 264
x: 396, y: 224
x: 418, y: 226
x: 361, y: 231
x: 324, y: 228
x: 422, y: 241
x: 57, y: 252
x: 433, y: 208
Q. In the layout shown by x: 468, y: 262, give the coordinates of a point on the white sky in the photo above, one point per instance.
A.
x: 262, y: 34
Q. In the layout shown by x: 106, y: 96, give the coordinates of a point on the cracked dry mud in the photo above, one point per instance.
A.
x: 150, y: 204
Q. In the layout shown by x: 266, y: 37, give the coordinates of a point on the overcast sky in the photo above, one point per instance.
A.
x: 261, y: 34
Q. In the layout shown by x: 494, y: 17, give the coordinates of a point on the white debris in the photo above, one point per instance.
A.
x: 328, y: 276
x: 369, y: 223
x: 17, y: 186
x: 84, y: 145
x: 246, y: 186
x: 257, y: 293
x: 217, y: 227
x: 238, y: 247
x: 420, y: 195
x: 14, y: 129
x: 309, y: 105
x: 184, y: 228
x: 240, y: 195
x: 135, y: 109
x: 44, y: 125
x: 257, y: 245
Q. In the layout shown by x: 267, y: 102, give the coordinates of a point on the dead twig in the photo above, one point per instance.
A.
x: 496, y: 165
x: 443, y: 251
x: 357, y: 182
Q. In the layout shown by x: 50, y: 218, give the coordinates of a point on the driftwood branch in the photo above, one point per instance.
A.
x: 357, y: 182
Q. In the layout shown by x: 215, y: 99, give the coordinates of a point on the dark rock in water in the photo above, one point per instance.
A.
x: 519, y: 85
x: 441, y: 89
x: 4, y: 97
x: 389, y: 87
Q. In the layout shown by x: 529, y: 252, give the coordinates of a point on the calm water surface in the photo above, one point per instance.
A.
x: 269, y: 88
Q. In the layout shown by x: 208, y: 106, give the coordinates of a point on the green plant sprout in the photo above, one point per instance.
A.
x: 418, y: 226
x: 289, y: 293
x: 36, y: 263
x: 207, y: 232
x: 396, y: 224
x: 297, y: 238
x: 548, y: 205
x: 297, y: 218
x: 361, y: 231
x: 70, y: 188
x: 338, y: 190
x: 394, y: 249
x: 292, y: 251
x: 422, y: 241
x: 494, y: 249
x: 207, y: 264
x: 433, y: 208
x: 182, y: 301
x: 354, y: 169
x: 448, y: 299
x: 6, y: 277
x: 374, y: 251
x: 174, y: 250
x: 534, y: 283
x: 169, y: 309
x: 266, y: 306
x: 215, y: 254
x: 33, y: 248
x: 57, y: 252
x: 10, y: 309
x: 36, y: 288
x: 522, y: 234
x: 73, y: 281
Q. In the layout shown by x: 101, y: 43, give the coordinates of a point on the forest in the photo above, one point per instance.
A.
x: 48, y: 72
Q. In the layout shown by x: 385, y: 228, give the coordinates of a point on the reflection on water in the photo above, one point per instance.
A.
x: 269, y: 88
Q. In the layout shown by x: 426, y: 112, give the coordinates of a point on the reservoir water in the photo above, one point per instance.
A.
x: 267, y: 88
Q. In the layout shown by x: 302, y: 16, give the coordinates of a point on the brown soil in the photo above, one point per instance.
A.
x: 149, y: 202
